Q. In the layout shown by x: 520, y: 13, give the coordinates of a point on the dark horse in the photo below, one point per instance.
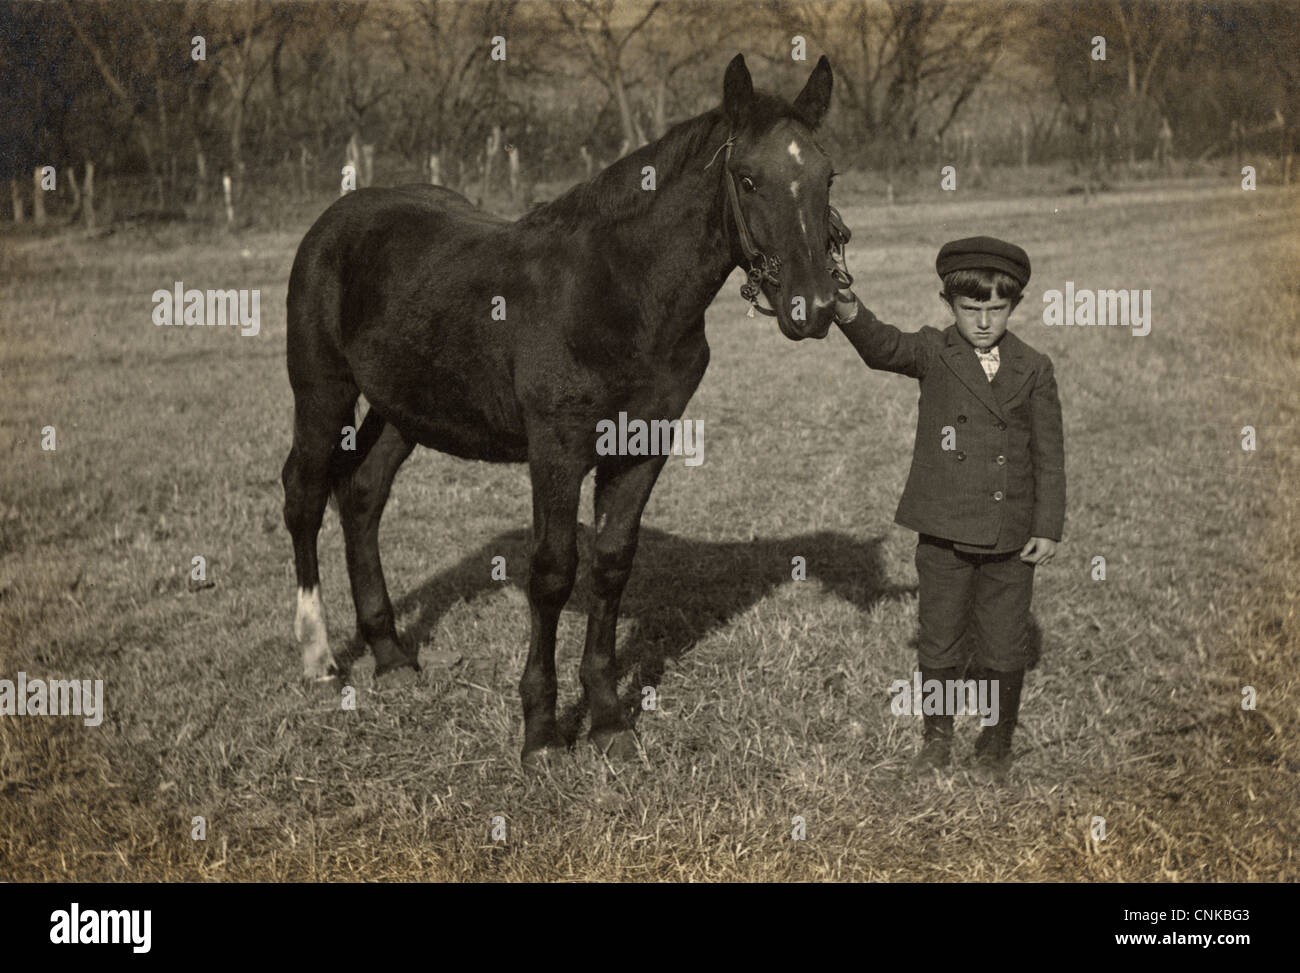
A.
x: 509, y: 342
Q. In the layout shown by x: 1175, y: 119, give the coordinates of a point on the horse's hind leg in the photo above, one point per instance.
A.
x: 362, y: 493
x: 557, y: 482
x: 320, y: 413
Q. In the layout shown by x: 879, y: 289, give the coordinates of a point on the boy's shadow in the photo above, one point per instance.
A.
x: 680, y: 590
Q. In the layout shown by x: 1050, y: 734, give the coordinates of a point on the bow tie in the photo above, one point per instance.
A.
x: 989, y: 361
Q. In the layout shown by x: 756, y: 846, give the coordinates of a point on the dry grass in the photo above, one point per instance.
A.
x: 773, y: 694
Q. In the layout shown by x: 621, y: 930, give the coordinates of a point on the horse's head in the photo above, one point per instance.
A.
x: 780, y: 184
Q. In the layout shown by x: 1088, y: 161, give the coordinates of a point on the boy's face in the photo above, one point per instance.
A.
x: 982, y: 323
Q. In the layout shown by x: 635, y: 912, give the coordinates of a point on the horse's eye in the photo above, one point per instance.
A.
x: 747, y: 184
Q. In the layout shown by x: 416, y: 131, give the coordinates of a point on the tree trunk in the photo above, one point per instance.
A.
x: 70, y: 177
x: 1287, y: 143
x: 661, y: 108
x: 632, y: 133
x: 512, y: 155
x: 201, y: 178
x: 368, y: 164
x: 237, y: 137
x: 493, y: 147
x: 164, y: 137
x: 230, y: 202
x: 38, y: 198
x: 354, y: 157
x: 88, y: 196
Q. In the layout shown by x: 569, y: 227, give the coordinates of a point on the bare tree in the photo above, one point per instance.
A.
x: 452, y: 91
x: 596, y: 35
x: 900, y: 65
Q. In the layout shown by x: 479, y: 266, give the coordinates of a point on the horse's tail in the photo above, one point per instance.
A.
x: 326, y: 394
x: 344, y: 462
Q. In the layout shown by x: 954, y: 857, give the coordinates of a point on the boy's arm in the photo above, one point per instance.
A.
x: 1047, y: 449
x: 883, y: 346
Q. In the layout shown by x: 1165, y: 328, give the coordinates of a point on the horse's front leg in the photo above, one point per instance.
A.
x: 621, y: 495
x: 557, y: 482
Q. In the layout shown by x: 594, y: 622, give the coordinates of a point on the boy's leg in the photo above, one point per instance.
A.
x: 946, y: 584
x: 1003, y: 592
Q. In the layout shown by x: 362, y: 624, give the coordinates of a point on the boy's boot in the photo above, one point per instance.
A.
x: 936, y: 739
x: 993, y: 748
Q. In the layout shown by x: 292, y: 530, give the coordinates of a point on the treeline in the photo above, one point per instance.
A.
x: 497, y: 95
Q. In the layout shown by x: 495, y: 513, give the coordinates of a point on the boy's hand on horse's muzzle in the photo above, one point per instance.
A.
x: 846, y: 305
x: 846, y: 302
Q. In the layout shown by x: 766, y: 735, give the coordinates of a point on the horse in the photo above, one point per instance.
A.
x: 511, y: 341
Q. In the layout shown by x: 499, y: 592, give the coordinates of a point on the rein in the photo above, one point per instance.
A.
x: 761, y: 266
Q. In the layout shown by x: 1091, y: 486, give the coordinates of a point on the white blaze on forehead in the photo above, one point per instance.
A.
x: 795, y: 152
x: 794, y: 189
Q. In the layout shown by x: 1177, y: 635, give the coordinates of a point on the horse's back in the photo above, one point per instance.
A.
x: 352, y: 220
x: 391, y: 281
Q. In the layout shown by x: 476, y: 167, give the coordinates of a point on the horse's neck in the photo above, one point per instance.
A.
x: 678, y: 250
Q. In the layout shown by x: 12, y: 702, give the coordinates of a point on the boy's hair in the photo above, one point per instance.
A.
x: 980, y: 284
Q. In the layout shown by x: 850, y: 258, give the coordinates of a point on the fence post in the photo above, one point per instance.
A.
x: 230, y: 205
x: 88, y: 196
x: 38, y: 198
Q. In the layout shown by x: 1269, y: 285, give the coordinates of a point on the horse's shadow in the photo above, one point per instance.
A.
x: 680, y: 590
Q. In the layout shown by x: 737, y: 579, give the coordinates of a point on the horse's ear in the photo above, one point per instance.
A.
x: 737, y: 88
x: 815, y: 98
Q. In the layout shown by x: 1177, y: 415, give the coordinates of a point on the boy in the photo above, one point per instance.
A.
x: 986, y: 491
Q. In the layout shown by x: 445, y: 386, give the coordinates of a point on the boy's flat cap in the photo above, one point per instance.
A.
x: 986, y: 252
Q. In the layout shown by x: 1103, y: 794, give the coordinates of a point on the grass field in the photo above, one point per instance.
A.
x: 772, y: 694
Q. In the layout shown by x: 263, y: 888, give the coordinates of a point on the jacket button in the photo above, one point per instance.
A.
x: 960, y: 455
x: 1002, y: 425
x: 998, y: 495
x: 961, y: 418
x: 1000, y: 460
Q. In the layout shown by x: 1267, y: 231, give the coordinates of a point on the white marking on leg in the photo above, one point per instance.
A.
x: 309, y: 629
x: 795, y: 152
x: 794, y: 189
x: 803, y: 226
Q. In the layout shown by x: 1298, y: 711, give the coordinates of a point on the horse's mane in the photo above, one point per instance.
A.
x: 616, y: 194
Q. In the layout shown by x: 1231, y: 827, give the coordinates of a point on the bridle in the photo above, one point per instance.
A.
x: 768, y: 268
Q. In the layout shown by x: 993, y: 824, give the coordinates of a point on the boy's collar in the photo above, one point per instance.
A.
x: 1010, y: 345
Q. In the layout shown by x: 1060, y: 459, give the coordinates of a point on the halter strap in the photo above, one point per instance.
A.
x: 761, y: 266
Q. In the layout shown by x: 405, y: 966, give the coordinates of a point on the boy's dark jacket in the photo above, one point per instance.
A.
x: 1004, y: 480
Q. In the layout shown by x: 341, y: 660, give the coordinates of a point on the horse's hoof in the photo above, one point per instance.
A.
x: 541, y: 760
x: 399, y: 676
x: 616, y: 744
x: 325, y: 685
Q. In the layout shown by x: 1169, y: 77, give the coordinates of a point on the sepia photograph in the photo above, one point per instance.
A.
x: 618, y: 441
